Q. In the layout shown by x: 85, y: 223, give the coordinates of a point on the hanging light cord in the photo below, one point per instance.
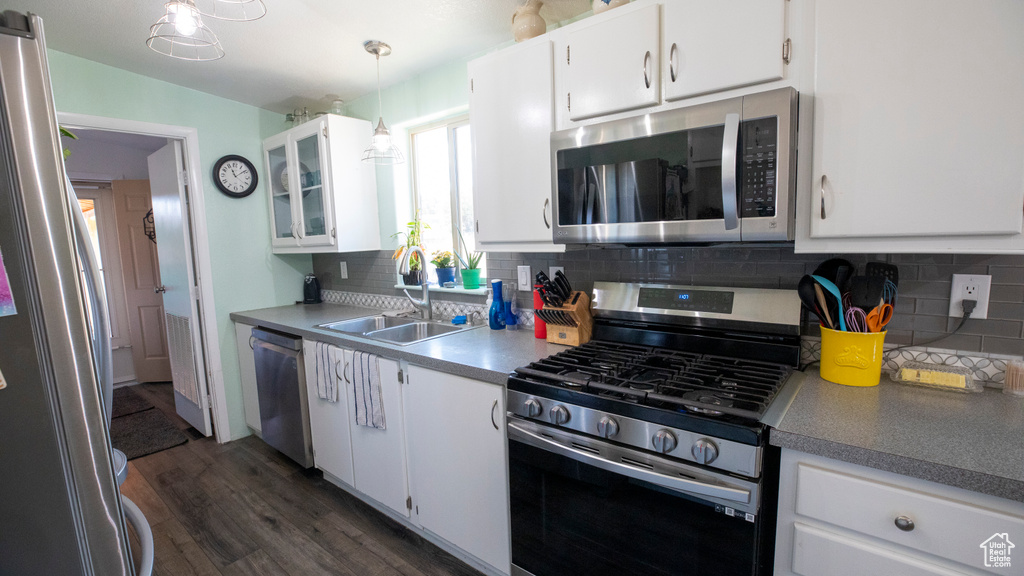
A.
x: 380, y: 105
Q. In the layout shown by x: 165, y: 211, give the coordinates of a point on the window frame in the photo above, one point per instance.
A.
x: 451, y: 124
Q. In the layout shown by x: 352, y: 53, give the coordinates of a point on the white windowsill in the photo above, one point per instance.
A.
x: 481, y: 291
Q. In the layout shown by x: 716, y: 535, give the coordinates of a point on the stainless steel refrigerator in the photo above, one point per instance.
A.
x: 60, y: 509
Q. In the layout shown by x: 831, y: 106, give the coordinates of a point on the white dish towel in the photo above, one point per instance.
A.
x: 366, y: 382
x: 328, y: 357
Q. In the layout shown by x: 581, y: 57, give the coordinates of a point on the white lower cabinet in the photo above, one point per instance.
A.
x: 329, y: 421
x: 378, y: 456
x: 458, y: 464
x: 839, y: 519
x: 247, y: 372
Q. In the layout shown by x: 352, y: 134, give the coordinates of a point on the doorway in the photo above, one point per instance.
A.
x: 141, y: 195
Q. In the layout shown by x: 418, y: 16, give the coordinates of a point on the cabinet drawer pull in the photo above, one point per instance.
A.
x: 904, y: 523
x: 547, y: 202
x: 647, y: 65
x: 673, y: 62
x: 493, y: 421
x: 823, y: 197
x: 251, y: 338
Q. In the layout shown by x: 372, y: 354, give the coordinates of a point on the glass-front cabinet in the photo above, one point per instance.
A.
x: 322, y: 197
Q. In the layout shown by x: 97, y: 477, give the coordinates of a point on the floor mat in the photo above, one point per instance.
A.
x: 144, y: 433
x: 127, y: 401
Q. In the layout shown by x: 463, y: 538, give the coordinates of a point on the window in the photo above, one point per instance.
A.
x: 442, y: 157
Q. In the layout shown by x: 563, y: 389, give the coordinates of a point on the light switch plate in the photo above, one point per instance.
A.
x: 553, y: 269
x: 970, y: 287
x: 344, y: 270
x: 525, y: 278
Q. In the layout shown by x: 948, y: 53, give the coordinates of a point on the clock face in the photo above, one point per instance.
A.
x: 235, y: 176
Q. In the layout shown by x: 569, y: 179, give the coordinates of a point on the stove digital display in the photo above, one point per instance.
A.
x: 690, y: 300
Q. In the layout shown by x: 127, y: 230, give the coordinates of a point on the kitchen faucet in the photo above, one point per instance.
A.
x: 403, y: 268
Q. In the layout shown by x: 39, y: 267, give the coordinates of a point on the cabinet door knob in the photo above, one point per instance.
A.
x: 544, y: 212
x: 647, y: 66
x: 823, y: 197
x: 673, y: 62
x: 904, y: 523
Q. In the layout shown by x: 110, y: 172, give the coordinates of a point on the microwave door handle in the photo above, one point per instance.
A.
x: 730, y: 197
x: 593, y: 185
x: 681, y: 484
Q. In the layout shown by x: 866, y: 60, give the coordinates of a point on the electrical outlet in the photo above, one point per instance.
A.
x: 553, y: 269
x: 970, y: 287
x: 525, y: 278
x: 344, y: 270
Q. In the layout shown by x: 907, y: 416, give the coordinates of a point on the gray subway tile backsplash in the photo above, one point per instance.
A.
x: 922, y: 309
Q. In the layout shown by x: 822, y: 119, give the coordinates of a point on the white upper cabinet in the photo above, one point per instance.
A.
x: 322, y: 197
x: 711, y: 45
x: 918, y: 126
x: 510, y: 110
x: 614, y: 63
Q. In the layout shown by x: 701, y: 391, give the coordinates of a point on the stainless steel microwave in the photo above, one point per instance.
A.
x: 717, y: 172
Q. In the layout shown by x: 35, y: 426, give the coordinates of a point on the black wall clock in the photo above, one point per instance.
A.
x: 235, y: 176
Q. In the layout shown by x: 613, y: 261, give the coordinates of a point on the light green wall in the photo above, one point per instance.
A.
x: 246, y: 275
x: 438, y: 93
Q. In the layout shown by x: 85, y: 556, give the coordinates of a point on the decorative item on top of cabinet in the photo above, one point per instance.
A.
x: 527, y: 22
x: 604, y: 5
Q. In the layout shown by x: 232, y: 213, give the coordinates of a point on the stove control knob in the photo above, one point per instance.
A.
x: 664, y: 441
x: 704, y: 451
x: 607, y: 427
x: 559, y: 415
x: 533, y: 408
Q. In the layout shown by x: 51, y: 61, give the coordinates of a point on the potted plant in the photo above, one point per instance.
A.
x: 412, y: 236
x: 444, y: 264
x: 470, y: 265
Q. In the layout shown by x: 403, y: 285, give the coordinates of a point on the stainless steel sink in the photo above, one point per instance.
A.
x: 415, y: 332
x: 395, y: 330
x: 369, y: 324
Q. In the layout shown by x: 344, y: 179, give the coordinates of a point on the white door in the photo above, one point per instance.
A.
x: 510, y: 109
x: 917, y: 132
x: 180, y: 290
x: 713, y: 46
x: 378, y: 456
x: 614, y: 64
x: 329, y: 421
x: 457, y: 462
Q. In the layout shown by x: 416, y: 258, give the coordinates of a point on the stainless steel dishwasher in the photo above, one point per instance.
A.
x: 281, y: 387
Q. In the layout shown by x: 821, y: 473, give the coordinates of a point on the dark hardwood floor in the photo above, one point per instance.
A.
x: 242, y: 508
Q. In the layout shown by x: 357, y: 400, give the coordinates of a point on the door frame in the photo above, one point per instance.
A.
x: 189, y: 138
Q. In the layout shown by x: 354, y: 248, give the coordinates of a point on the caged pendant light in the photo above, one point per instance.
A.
x: 381, y: 150
x: 180, y: 33
x: 233, y: 10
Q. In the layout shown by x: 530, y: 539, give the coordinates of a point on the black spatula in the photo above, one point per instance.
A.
x: 866, y: 291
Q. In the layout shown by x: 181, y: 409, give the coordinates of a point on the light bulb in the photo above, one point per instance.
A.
x: 186, y: 18
x: 382, y: 141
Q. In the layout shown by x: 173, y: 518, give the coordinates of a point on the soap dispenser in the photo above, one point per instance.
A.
x: 496, y: 314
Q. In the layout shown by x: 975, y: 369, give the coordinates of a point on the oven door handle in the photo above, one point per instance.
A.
x: 688, y: 486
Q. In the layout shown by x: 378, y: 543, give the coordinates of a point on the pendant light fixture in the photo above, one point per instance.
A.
x: 233, y: 10
x: 381, y: 150
x: 180, y: 33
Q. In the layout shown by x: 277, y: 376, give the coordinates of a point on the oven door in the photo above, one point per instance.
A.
x: 587, y: 506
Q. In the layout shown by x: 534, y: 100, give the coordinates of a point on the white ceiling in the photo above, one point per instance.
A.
x: 302, y: 53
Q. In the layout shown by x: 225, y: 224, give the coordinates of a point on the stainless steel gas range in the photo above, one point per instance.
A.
x: 645, y: 450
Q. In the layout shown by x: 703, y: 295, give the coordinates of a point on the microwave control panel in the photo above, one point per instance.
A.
x: 758, y: 143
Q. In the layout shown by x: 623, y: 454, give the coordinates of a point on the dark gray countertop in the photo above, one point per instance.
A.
x: 971, y: 441
x: 479, y: 353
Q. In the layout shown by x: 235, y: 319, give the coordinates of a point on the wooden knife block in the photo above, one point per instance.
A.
x: 577, y: 308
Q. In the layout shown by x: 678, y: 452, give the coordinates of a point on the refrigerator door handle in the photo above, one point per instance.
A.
x: 97, y: 302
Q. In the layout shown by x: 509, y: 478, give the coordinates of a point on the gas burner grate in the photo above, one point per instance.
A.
x: 662, y: 378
